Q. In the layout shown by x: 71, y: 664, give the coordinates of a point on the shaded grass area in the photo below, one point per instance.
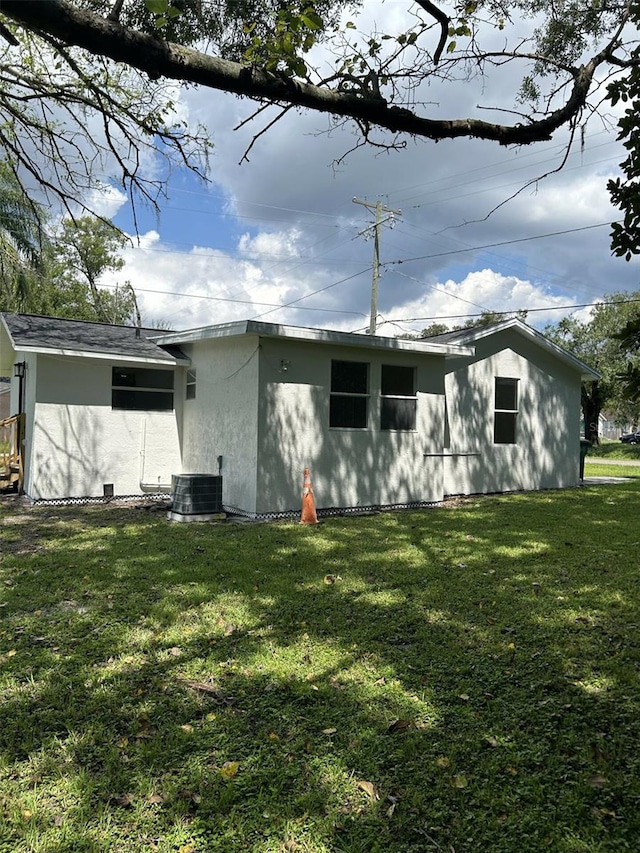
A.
x: 464, y: 678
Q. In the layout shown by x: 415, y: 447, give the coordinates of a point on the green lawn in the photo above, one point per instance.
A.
x: 458, y: 679
x: 616, y: 450
x: 598, y: 469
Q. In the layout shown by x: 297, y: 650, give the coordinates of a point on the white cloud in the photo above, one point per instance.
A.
x: 482, y: 289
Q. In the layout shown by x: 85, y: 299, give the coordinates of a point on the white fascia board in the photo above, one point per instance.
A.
x: 321, y: 336
x: 105, y: 356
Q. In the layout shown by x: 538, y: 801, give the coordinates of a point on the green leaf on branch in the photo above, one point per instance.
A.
x: 157, y: 7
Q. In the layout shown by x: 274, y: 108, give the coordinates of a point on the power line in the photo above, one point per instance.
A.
x: 271, y: 305
x: 313, y: 293
x: 500, y: 243
x: 515, y: 311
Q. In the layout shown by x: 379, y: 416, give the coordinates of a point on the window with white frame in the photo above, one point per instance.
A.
x: 349, y: 400
x: 398, y: 400
x: 505, y: 416
x: 142, y: 389
x: 191, y: 384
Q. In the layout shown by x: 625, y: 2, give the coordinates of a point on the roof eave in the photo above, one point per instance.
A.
x: 105, y: 356
x: 321, y: 336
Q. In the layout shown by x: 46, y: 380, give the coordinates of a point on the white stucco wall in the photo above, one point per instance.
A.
x: 222, y: 419
x: 349, y: 467
x: 77, y: 443
x: 546, y: 453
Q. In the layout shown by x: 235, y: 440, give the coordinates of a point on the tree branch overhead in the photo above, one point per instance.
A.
x: 156, y: 57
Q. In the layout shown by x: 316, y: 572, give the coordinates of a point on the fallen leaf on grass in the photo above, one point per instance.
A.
x: 125, y: 800
x: 154, y: 799
x: 603, y: 814
x: 330, y: 731
x: 490, y: 740
x: 399, y: 726
x: 187, y: 727
x: 459, y: 781
x: 597, y: 782
x: 210, y: 689
x: 369, y: 788
x: 229, y: 769
x: 442, y: 761
x: 394, y: 802
x: 175, y: 652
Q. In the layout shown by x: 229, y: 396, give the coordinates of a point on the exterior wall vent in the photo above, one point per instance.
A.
x: 195, y: 497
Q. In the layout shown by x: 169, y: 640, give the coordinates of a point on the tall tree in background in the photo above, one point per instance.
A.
x: 82, y: 251
x: 21, y: 243
x: 60, y: 273
x: 629, y: 338
x: 596, y: 343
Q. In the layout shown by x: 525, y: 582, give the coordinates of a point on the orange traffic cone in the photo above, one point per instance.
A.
x: 308, y: 515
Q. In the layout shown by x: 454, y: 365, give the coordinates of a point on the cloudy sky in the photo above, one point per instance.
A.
x: 283, y: 230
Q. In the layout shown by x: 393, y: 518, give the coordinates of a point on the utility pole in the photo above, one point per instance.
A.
x: 379, y: 209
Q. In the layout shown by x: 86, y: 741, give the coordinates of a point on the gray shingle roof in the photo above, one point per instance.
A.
x: 27, y: 330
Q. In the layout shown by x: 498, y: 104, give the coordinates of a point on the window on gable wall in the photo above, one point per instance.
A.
x: 349, y: 402
x: 191, y: 384
x: 142, y: 389
x: 399, y: 400
x: 506, y: 411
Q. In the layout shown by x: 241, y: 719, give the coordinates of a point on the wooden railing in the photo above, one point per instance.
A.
x: 11, y: 460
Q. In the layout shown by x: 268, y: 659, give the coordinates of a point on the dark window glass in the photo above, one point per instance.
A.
x: 142, y: 401
x: 349, y: 377
x: 348, y: 412
x: 397, y: 381
x: 348, y: 404
x: 141, y: 377
x: 505, y: 417
x: 397, y: 414
x: 504, y: 428
x: 506, y: 394
x: 138, y: 389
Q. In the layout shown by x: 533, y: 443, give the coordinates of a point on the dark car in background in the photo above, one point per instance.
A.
x: 631, y: 437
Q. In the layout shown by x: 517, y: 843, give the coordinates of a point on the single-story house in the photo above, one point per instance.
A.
x: 379, y: 421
